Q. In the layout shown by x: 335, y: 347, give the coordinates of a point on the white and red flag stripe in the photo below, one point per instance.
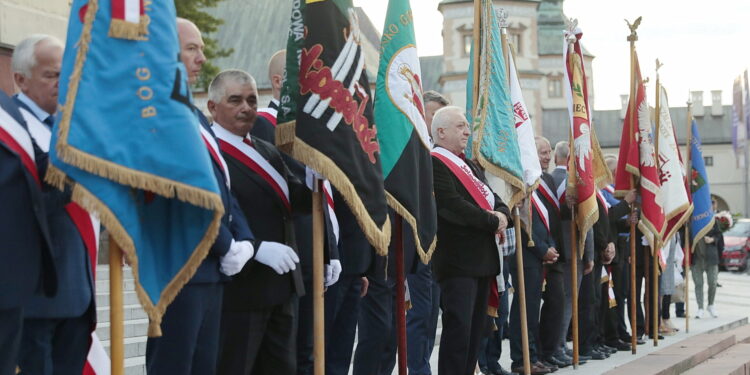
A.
x: 128, y: 19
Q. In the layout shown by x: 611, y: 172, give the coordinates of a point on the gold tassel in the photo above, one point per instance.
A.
x: 128, y: 30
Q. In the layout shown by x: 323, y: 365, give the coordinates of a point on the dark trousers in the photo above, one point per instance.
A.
x: 55, y: 346
x: 621, y: 278
x: 190, y: 333
x: 11, y: 328
x: 639, y: 286
x: 343, y: 301
x: 552, y: 313
x: 588, y: 308
x: 421, y: 319
x: 608, y: 315
x: 492, y: 345
x: 533, y: 285
x: 261, y: 341
x: 376, y: 340
x: 465, y: 321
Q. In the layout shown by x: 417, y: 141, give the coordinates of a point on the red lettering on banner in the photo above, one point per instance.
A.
x: 317, y: 78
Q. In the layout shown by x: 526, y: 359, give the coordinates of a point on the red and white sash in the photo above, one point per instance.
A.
x: 269, y: 114
x: 480, y: 192
x: 548, y: 194
x: 603, y: 201
x: 15, y: 137
x: 214, y: 151
x: 328, y: 193
x: 252, y: 159
x: 540, y: 208
x: 561, y: 192
x: 86, y: 224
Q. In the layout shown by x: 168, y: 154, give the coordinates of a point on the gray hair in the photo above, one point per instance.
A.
x: 611, y: 160
x: 562, y: 150
x: 441, y: 120
x: 434, y: 96
x: 217, y: 88
x: 24, y: 56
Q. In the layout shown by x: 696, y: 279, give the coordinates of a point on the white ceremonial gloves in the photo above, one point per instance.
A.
x: 278, y: 256
x: 333, y: 271
x: 239, y: 253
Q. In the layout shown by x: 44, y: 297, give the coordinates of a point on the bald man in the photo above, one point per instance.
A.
x: 265, y: 124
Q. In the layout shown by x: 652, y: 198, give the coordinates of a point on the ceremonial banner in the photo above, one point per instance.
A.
x: 580, y: 162
x: 677, y: 206
x: 325, y: 117
x: 532, y: 169
x: 636, y: 165
x: 402, y: 131
x: 493, y: 141
x: 702, y: 219
x: 128, y: 143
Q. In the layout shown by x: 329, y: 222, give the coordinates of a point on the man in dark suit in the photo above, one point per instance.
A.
x: 466, y: 259
x: 551, y: 317
x: 265, y: 123
x: 344, y: 299
x: 258, y: 327
x: 585, y: 264
x: 56, y: 330
x: 27, y: 265
x: 190, y: 327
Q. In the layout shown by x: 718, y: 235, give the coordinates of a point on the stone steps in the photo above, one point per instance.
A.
x: 734, y: 361
x: 690, y: 353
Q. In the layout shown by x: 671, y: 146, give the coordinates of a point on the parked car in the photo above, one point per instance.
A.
x: 736, y: 246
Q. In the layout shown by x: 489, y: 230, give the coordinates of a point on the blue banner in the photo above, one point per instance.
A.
x: 493, y: 140
x: 702, y: 219
x: 128, y: 143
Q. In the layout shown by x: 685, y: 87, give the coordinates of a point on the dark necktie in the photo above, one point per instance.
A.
x: 49, y: 121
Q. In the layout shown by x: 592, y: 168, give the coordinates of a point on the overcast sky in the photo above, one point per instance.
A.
x: 703, y: 45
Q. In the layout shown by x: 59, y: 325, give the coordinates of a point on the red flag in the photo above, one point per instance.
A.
x: 636, y: 166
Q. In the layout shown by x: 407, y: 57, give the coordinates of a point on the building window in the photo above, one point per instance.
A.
x: 554, y: 87
x: 468, y: 40
x: 514, y: 37
x: 708, y: 161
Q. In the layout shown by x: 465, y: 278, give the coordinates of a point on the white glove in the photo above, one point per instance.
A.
x: 278, y: 256
x: 333, y: 271
x: 239, y: 253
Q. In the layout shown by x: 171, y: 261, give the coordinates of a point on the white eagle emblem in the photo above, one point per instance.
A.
x: 583, y: 145
x: 644, y: 130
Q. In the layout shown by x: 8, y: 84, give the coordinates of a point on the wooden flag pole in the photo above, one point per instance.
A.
x: 632, y: 38
x: 574, y: 284
x: 646, y: 294
x: 688, y: 174
x: 116, y: 321
x: 400, y: 296
x: 656, y: 250
x: 475, y: 57
x: 521, y: 292
x: 317, y: 281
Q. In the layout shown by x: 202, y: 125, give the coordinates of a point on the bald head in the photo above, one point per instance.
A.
x: 191, y: 48
x: 276, y: 67
x: 544, y: 151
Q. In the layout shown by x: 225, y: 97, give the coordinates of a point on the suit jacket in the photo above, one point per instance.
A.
x: 543, y: 239
x: 75, y: 287
x: 233, y: 225
x: 25, y: 249
x: 466, y: 244
x: 560, y: 175
x: 603, y: 231
x: 355, y: 252
x: 257, y: 285
x: 264, y: 130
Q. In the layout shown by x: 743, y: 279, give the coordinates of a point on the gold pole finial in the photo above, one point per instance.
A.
x: 633, y: 27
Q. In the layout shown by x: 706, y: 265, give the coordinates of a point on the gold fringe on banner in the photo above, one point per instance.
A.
x: 379, y: 238
x: 424, y: 255
x: 128, y: 30
x: 129, y: 177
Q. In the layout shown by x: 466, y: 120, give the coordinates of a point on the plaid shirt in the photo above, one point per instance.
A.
x: 509, y: 246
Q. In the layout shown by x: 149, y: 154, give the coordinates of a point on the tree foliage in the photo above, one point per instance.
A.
x: 194, y: 11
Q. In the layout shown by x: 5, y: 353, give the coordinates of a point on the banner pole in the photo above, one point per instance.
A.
x: 574, y: 285
x: 116, y: 322
x: 632, y: 38
x: 521, y: 292
x: 657, y: 241
x: 317, y: 282
x: 475, y: 57
x: 400, y: 295
x: 688, y: 174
